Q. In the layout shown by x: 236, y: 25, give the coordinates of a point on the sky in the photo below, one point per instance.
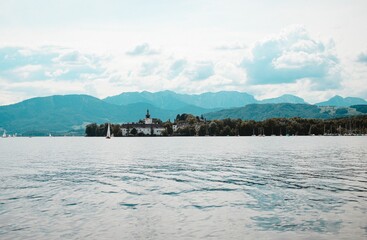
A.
x: 312, y: 49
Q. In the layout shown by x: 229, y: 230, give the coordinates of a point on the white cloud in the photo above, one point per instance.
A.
x: 24, y: 72
x: 148, y: 68
x: 297, y: 60
x: 231, y: 46
x: 200, y: 71
x: 141, y: 50
x: 176, y: 68
x: 291, y: 62
x: 362, y: 57
x: 45, y: 63
x: 290, y: 56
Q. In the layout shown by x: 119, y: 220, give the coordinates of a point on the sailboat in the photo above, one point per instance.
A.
x: 253, y: 132
x: 108, y: 136
x: 4, y: 134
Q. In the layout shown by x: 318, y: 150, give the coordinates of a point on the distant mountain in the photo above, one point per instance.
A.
x: 56, y: 113
x: 72, y: 112
x: 286, y: 98
x: 216, y: 100
x: 339, y: 101
x: 60, y: 114
x: 164, y: 99
x: 283, y: 110
x: 223, y: 99
x: 173, y: 101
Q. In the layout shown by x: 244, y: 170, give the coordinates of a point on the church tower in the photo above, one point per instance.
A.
x: 148, y: 120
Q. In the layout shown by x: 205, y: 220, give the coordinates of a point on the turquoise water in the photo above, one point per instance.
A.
x: 183, y: 188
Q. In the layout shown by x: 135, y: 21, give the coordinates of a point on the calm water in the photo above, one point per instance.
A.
x: 183, y: 188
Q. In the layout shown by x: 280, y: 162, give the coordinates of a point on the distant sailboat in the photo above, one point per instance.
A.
x: 108, y: 136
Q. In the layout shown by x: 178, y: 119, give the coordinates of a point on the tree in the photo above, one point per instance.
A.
x: 168, y: 127
x: 91, y: 130
x: 178, y: 117
x: 226, y: 131
x: 212, y: 129
x: 134, y: 131
x: 116, y: 130
x: 202, y: 130
x: 191, y: 119
x: 187, y: 131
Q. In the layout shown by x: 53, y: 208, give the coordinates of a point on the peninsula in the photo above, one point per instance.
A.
x: 190, y: 125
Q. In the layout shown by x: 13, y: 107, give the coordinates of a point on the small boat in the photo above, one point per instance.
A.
x: 108, y: 136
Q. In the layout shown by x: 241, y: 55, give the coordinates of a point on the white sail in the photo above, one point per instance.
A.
x: 108, y: 132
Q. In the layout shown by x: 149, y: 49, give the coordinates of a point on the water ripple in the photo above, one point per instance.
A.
x: 221, y: 188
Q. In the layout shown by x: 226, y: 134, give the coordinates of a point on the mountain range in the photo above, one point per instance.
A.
x: 209, y: 100
x: 173, y: 101
x: 259, y: 112
x: 61, y: 114
x: 339, y: 101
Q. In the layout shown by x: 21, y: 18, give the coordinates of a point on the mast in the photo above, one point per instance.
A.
x: 108, y: 132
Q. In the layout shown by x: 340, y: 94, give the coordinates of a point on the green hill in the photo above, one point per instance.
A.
x: 260, y: 112
x: 61, y: 114
x: 56, y: 113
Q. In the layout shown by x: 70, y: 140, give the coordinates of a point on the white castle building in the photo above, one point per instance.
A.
x: 146, y: 128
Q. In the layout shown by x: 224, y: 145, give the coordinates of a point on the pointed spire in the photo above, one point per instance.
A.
x: 148, y: 115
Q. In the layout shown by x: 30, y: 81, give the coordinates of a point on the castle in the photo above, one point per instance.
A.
x: 146, y: 128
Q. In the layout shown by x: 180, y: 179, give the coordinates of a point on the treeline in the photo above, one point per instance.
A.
x: 272, y: 126
x: 189, y: 125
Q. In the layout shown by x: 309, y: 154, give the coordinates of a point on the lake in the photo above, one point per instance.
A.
x: 183, y: 188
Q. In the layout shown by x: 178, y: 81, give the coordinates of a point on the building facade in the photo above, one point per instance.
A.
x: 147, y: 128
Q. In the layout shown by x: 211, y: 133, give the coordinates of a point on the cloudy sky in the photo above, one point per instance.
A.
x: 313, y: 49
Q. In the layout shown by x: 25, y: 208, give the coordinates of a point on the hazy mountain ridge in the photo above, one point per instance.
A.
x: 172, y: 101
x: 342, y: 102
x: 286, y: 98
x: 223, y: 99
x: 72, y: 112
x: 260, y: 112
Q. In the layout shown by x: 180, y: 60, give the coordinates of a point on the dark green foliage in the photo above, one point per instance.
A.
x: 227, y: 131
x: 133, y: 131
x: 94, y: 130
x: 202, y: 130
x: 187, y: 131
x: 91, y: 129
x: 212, y: 128
x: 168, y: 126
x: 360, y: 108
x: 234, y: 127
x: 341, y: 111
x: 261, y: 112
